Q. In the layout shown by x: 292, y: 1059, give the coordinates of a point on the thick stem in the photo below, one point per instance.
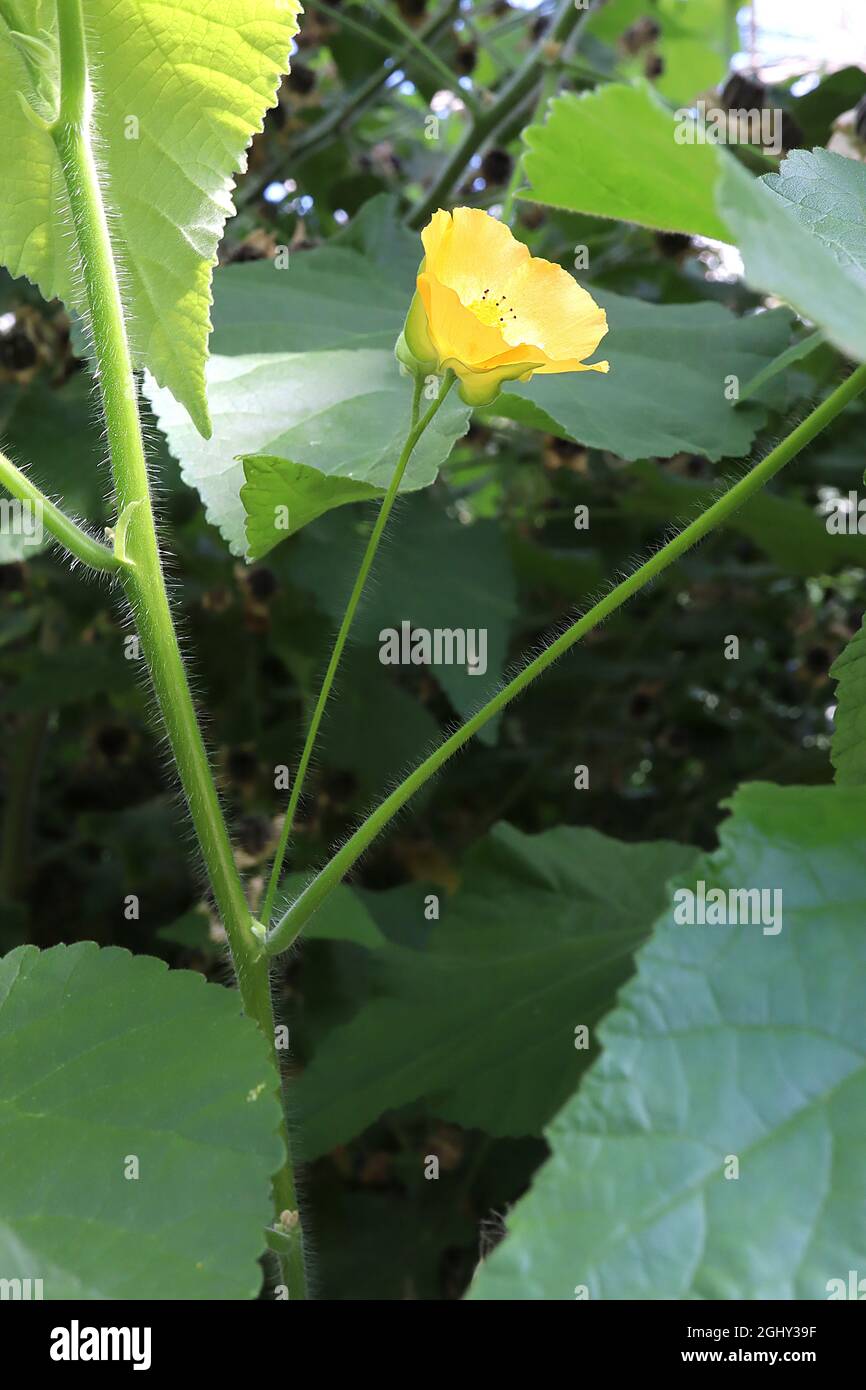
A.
x: 416, y: 429
x: 143, y: 581
x: 286, y: 931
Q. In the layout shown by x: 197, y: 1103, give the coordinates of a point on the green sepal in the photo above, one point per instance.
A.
x: 415, y: 350
x: 481, y: 388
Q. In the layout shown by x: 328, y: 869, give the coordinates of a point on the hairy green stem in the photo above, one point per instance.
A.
x: 143, y: 579
x: 71, y: 536
x: 416, y: 429
x: 286, y: 931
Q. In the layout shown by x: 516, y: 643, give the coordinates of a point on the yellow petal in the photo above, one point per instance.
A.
x: 550, y: 367
x: 470, y: 252
x: 493, y: 312
x: 455, y: 331
x: 545, y: 306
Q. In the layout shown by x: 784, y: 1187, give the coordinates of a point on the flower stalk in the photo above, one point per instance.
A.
x: 416, y: 429
x: 292, y: 924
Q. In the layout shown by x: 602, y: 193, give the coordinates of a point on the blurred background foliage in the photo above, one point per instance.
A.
x: 666, y: 725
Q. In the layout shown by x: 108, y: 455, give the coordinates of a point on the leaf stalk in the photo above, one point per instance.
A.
x: 290, y: 926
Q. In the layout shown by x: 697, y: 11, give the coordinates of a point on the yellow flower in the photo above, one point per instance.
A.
x: 492, y: 312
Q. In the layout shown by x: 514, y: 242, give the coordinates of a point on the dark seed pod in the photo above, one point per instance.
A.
x: 531, y: 216
x: 12, y: 578
x: 465, y: 58
x: 496, y: 166
x: 644, y: 31
x: 254, y: 834
x: 742, y: 93
x: 818, y: 660
x: 262, y: 584
x: 17, y: 351
x: 672, y: 244
x: 247, y: 251
x: 342, y: 786
x: 301, y: 79
x: 792, y: 136
x: 654, y: 66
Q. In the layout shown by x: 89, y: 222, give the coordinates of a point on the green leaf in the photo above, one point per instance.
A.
x: 178, y: 94
x: 52, y: 434
x: 848, y: 749
x: 53, y: 680
x: 353, y: 292
x: 311, y: 412
x: 192, y: 931
x: 327, y: 298
x: 375, y: 729
x: 343, y: 917
x: 815, y: 111
x: 803, y: 237
x: 379, y: 233
x: 330, y: 426
x: 536, y: 942
x: 797, y: 352
x: 613, y: 153
x: 105, y: 1057
x: 793, y: 535
x: 665, y: 391
x: 728, y: 1042
x: 281, y: 498
x: 434, y: 573
x: 696, y: 41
